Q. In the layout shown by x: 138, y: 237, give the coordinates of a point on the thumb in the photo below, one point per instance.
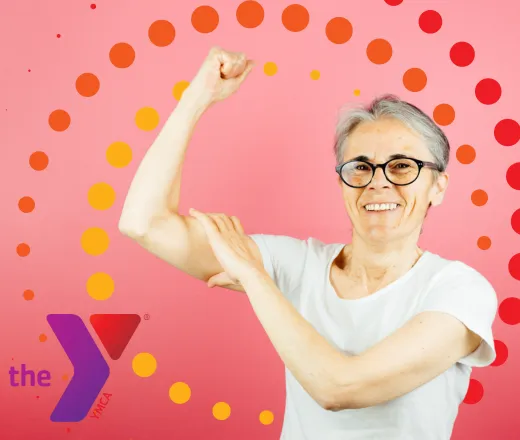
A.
x: 240, y: 78
x: 220, y: 279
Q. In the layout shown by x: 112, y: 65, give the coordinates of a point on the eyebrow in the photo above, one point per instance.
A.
x: 391, y: 157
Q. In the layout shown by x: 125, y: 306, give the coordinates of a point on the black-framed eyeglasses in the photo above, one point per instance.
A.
x: 400, y: 170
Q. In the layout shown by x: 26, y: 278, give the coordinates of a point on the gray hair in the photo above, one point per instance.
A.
x: 391, y: 106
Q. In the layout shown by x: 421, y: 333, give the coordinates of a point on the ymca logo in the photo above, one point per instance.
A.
x: 91, y: 371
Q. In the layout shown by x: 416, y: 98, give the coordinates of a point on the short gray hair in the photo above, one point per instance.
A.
x: 391, y: 106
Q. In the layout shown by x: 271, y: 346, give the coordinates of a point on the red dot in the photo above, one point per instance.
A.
x: 513, y: 176
x: 488, y: 91
x: 462, y: 54
x: 502, y: 352
x: 29, y: 70
x: 58, y: 35
x: 393, y: 2
x: 507, y: 132
x: 93, y: 6
x: 515, y: 221
x: 475, y: 392
x: 430, y: 21
x: 509, y: 310
x: 514, y: 267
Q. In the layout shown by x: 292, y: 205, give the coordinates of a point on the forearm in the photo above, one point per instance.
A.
x: 155, y: 188
x: 309, y: 357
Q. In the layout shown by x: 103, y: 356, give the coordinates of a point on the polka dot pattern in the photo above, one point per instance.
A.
x: 430, y: 22
x: 122, y: 55
x: 161, y: 33
x: 507, y: 132
x: 59, y: 120
x: 205, y: 19
x: 462, y: 54
x: 339, y: 30
x: 144, y: 364
x: 379, y: 51
x: 488, y: 91
x: 250, y: 14
x: 414, y: 79
x: 295, y: 18
x: 100, y: 286
x: 221, y: 411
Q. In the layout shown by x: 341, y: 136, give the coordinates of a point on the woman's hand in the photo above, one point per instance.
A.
x: 230, y: 246
x: 220, y: 75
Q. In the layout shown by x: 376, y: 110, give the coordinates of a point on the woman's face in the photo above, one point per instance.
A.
x: 378, y: 141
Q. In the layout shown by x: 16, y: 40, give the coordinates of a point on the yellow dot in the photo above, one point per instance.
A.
x: 221, y: 411
x: 178, y: 89
x: 147, y: 118
x: 270, y: 68
x: 119, y: 154
x: 180, y: 392
x: 100, y: 286
x: 101, y: 196
x: 144, y: 364
x: 357, y: 92
x: 95, y: 241
x: 266, y: 417
x: 315, y: 74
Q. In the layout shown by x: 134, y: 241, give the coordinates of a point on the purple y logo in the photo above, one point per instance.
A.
x: 90, y: 368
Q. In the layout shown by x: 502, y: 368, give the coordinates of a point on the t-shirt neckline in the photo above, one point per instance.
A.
x: 330, y: 288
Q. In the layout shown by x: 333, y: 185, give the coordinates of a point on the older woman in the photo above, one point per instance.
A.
x: 378, y: 336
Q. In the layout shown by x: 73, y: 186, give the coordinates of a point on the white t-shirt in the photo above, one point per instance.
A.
x: 301, y: 268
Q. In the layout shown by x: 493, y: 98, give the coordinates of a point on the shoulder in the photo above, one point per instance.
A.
x: 453, y: 280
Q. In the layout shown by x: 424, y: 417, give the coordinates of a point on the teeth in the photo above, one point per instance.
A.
x: 381, y: 206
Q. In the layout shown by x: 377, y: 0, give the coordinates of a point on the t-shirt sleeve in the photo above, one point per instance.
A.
x: 284, y: 260
x: 468, y: 296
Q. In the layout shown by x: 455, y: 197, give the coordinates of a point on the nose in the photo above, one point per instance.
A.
x: 379, y: 180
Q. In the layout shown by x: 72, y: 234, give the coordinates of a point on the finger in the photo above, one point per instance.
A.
x: 207, y: 222
x: 237, y: 225
x: 223, y: 222
x: 249, y: 67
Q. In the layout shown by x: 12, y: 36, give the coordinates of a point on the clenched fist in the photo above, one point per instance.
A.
x: 220, y: 75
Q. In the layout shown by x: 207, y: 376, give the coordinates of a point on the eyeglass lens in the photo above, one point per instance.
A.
x: 398, y: 171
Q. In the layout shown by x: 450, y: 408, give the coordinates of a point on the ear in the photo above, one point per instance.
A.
x: 439, y: 189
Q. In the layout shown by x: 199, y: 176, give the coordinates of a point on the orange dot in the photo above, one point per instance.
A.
x: 23, y: 249
x: 161, y: 33
x: 295, y: 18
x: 59, y: 120
x: 339, y: 30
x: 204, y: 19
x: 65, y: 377
x: 479, y: 197
x: 444, y: 114
x: 87, y: 84
x: 484, y: 243
x: 250, y: 14
x: 466, y: 154
x: 28, y: 295
x: 42, y: 337
x: 122, y: 55
x: 379, y: 51
x: 414, y: 79
x: 38, y: 161
x: 26, y: 204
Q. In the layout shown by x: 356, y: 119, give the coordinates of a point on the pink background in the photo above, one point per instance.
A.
x: 264, y: 155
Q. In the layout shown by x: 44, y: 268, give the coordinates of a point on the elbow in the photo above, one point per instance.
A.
x: 340, y: 397
x: 131, y: 230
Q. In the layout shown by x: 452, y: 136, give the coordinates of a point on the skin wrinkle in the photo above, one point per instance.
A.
x: 384, y: 245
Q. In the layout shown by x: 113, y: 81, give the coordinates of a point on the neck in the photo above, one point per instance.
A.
x: 375, y: 264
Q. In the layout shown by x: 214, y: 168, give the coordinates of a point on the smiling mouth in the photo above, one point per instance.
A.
x: 379, y: 207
